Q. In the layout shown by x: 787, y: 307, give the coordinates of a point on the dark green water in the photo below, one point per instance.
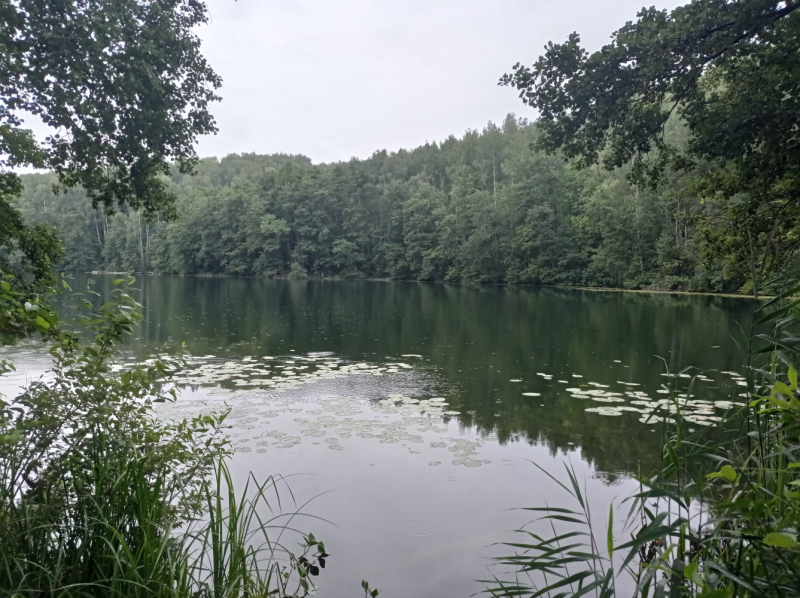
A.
x: 478, y: 338
x: 404, y: 523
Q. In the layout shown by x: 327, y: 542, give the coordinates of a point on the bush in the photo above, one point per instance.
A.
x: 98, y: 497
x: 297, y: 272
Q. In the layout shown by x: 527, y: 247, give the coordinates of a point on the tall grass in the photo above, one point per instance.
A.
x: 100, y: 498
x: 237, y: 552
x: 718, y: 518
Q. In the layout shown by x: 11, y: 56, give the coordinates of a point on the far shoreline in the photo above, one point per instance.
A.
x: 442, y: 282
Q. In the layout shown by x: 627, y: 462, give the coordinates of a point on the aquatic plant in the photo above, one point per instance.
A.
x: 719, y: 518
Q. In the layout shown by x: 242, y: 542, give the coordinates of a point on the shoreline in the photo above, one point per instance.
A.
x: 442, y: 282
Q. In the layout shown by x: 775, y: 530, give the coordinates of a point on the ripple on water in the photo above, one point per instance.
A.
x: 420, y: 527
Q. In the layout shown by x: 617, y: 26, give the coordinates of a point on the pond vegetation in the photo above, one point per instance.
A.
x: 667, y: 160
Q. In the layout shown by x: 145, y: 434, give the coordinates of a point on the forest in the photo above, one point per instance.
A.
x: 483, y: 208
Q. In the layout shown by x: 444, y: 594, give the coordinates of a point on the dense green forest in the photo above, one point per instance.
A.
x: 483, y: 208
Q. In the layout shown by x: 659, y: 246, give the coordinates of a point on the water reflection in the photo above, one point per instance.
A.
x: 422, y: 405
x: 478, y: 339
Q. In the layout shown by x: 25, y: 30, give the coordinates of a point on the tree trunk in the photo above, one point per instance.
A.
x: 141, y: 243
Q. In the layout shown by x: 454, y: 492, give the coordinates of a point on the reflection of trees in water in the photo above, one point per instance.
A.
x: 477, y: 337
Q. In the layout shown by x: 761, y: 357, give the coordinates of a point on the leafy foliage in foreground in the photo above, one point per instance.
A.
x: 122, y: 82
x: 125, y: 86
x: 719, y: 519
x: 98, y: 497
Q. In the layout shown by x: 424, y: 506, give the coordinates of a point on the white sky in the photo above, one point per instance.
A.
x: 333, y: 79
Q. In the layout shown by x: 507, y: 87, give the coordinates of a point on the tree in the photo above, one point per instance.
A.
x: 729, y: 69
x: 482, y: 208
x: 126, y: 90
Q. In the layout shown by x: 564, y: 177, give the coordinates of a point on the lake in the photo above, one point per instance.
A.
x: 410, y: 415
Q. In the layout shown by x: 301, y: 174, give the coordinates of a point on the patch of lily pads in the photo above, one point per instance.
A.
x: 259, y: 390
x: 268, y: 388
x: 702, y: 412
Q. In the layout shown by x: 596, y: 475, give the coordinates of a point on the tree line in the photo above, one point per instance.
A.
x: 483, y: 208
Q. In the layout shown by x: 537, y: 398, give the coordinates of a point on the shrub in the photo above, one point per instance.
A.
x: 98, y: 497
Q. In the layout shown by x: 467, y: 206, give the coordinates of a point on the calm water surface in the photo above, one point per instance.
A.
x: 333, y: 381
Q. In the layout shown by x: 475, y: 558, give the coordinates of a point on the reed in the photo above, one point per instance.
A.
x: 100, y: 498
x: 720, y: 516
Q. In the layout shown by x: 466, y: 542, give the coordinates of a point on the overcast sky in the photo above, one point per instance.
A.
x: 333, y: 79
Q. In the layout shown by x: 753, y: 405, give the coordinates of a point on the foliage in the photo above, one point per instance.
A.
x: 122, y: 82
x: 369, y: 592
x: 23, y: 309
x: 126, y: 91
x: 720, y: 517
x: 726, y: 70
x: 235, y: 553
x: 99, y: 497
x: 28, y: 254
x: 552, y: 556
x: 482, y: 208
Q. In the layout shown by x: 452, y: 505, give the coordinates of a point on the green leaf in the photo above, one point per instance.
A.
x: 42, y: 323
x: 718, y: 593
x: 783, y: 389
x: 727, y: 472
x: 793, y: 378
x: 610, y: 538
x: 565, y: 519
x: 5, y: 286
x: 691, y: 573
x: 12, y: 438
x: 781, y: 540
